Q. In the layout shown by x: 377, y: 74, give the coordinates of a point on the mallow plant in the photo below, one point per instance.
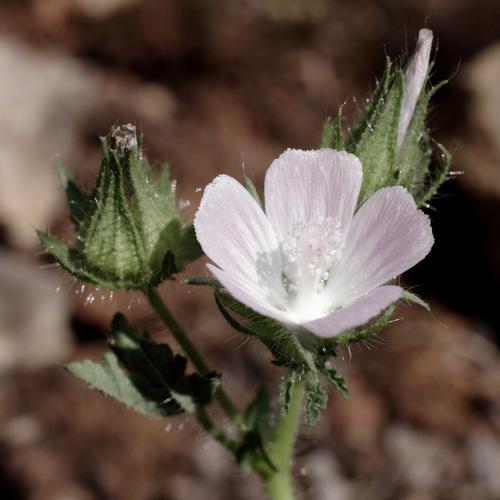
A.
x: 308, y: 268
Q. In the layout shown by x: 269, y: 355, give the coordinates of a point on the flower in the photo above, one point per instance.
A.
x: 414, y: 79
x: 310, y: 260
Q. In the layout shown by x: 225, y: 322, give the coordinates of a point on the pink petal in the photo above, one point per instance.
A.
x: 249, y: 295
x: 414, y: 80
x: 355, y: 314
x: 388, y: 235
x: 303, y: 185
x: 234, y: 232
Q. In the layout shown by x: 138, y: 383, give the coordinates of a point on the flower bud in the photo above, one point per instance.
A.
x: 128, y: 231
x: 391, y: 138
x: 414, y: 79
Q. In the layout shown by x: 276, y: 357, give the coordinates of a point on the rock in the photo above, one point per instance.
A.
x: 480, y: 154
x: 484, y: 453
x: 102, y: 8
x: 50, y: 102
x: 34, y: 318
x: 420, y: 460
x: 326, y: 479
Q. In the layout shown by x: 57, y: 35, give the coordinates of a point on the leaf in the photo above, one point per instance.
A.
x: 316, y: 397
x: 415, y: 299
x: 156, y: 372
x: 251, y: 453
x: 154, y: 381
x: 285, y: 391
x: 202, y: 281
x: 337, y: 380
x: 108, y: 378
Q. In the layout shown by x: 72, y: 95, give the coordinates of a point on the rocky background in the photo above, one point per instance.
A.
x: 224, y: 86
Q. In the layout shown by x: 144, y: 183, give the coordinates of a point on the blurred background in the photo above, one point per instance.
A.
x: 223, y: 86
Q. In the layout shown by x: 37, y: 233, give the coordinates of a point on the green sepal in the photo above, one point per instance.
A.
x: 337, y: 380
x: 250, y: 187
x: 332, y: 133
x: 151, y: 378
x: 433, y: 181
x: 202, y: 281
x: 415, y: 164
x: 376, y: 148
x: 360, y: 335
x: 372, y: 109
x: 77, y: 200
x: 415, y: 299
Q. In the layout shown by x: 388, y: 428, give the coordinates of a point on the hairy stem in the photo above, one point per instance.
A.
x: 214, y: 431
x: 279, y: 483
x: 191, y: 352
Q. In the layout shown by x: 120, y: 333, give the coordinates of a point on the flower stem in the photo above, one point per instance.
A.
x: 214, y: 431
x: 190, y: 350
x: 279, y: 484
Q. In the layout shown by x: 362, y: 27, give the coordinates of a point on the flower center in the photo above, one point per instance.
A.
x: 309, y: 256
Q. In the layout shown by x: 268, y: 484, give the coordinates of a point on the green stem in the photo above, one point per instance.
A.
x: 214, y: 431
x: 279, y: 483
x: 190, y: 350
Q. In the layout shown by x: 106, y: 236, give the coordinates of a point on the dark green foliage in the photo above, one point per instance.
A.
x: 251, y: 453
x: 145, y: 375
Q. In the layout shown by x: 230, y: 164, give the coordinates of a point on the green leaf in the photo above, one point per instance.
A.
x: 337, y: 380
x: 154, y: 381
x: 316, y: 397
x: 202, y: 281
x: 415, y: 299
x: 285, y: 390
x: 108, y: 378
x: 251, y: 453
x: 157, y: 372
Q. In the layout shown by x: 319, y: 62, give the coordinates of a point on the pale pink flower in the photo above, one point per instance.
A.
x: 414, y: 80
x: 310, y: 260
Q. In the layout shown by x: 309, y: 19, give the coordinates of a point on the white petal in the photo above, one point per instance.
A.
x: 234, y: 232
x: 249, y: 295
x: 388, y: 235
x: 414, y: 80
x: 355, y: 314
x: 301, y: 186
